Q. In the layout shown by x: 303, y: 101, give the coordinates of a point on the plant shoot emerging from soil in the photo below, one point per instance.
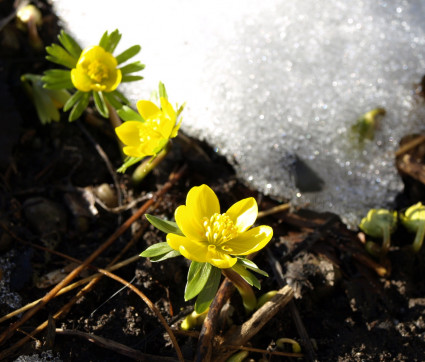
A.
x: 414, y: 221
x: 379, y: 223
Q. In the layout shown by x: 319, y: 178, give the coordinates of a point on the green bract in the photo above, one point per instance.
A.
x: 414, y: 221
x: 379, y: 223
x: 47, y: 101
x: 93, y: 72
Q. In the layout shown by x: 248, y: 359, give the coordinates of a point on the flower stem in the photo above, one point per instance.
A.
x: 419, y: 238
x: 248, y: 297
x: 386, y: 240
x: 113, y: 115
x: 148, y: 165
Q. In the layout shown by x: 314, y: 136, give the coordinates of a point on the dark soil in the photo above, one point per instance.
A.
x: 349, y: 312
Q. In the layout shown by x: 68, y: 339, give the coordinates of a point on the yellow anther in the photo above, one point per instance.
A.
x: 219, y: 229
x: 97, y: 71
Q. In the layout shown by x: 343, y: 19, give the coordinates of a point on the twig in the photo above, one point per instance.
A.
x: 114, y: 346
x: 71, y: 287
x: 242, y: 334
x: 105, y: 159
x: 10, y: 330
x: 409, y: 145
x: 125, y: 207
x: 274, y: 210
x: 204, y: 347
x: 151, y: 306
x: 263, y: 351
x: 69, y: 304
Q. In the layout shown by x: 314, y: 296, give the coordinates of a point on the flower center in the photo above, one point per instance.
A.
x: 219, y: 228
x: 97, y: 71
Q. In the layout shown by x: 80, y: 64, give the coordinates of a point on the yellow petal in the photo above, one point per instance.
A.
x: 113, y: 81
x: 168, y: 109
x: 188, y: 224
x: 148, y: 110
x: 92, y: 52
x: 128, y: 133
x: 243, y: 213
x: 176, y: 129
x: 166, y: 126
x: 190, y: 249
x: 251, y: 240
x: 80, y: 80
x: 202, y: 202
x: 133, y: 151
x: 220, y: 259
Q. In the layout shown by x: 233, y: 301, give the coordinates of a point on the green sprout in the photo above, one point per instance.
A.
x: 414, y: 221
x: 92, y: 72
x: 296, y: 348
x: 193, y: 320
x: 379, y: 223
x: 365, y: 126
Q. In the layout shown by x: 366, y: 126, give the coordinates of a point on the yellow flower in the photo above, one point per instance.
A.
x: 96, y: 70
x: 212, y: 237
x: 149, y: 137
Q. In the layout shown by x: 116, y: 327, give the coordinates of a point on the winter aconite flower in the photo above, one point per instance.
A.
x: 215, y: 242
x: 148, y: 137
x: 96, y: 70
x: 214, y: 237
x: 148, y: 132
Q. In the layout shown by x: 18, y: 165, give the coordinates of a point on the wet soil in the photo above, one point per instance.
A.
x: 58, y: 195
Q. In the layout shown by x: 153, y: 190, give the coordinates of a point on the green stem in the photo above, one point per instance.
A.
x: 148, y: 165
x: 248, y: 297
x: 113, y: 115
x: 115, y: 122
x: 419, y: 238
x: 386, y: 240
x: 296, y: 348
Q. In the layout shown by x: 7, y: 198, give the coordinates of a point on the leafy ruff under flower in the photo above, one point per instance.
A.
x: 212, y: 237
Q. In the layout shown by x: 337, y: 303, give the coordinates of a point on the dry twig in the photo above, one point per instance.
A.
x: 240, y: 335
x: 205, y: 345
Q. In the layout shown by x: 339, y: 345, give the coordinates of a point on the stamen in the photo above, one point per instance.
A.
x: 97, y: 71
x: 219, y: 229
